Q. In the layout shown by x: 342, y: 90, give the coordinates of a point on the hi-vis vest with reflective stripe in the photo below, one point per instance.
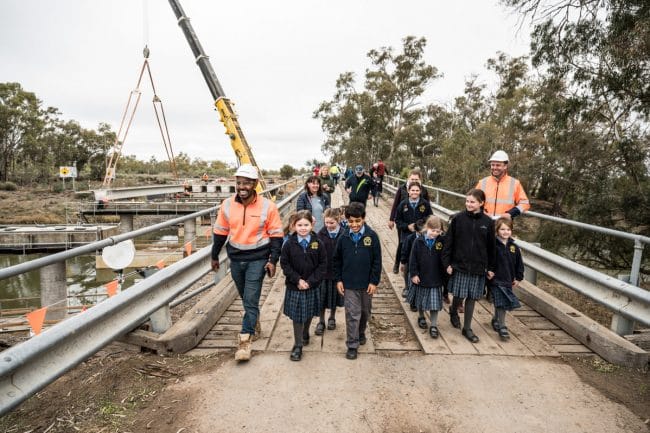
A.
x: 248, y: 227
x: 502, y: 195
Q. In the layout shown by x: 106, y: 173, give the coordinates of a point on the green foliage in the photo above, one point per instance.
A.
x: 384, y: 120
x: 576, y: 128
x: 287, y: 171
x: 8, y: 186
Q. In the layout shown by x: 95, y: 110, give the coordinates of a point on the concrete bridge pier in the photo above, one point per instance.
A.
x: 126, y: 223
x: 189, y: 232
x: 54, y: 290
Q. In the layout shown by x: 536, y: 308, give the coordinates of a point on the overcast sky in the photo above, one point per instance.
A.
x: 276, y: 60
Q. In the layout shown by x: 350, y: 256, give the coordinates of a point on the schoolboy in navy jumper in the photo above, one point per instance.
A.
x: 304, y: 262
x: 357, y: 269
x: 508, y: 273
x: 329, y: 296
x: 468, y: 256
x: 410, y: 210
x: 427, y: 274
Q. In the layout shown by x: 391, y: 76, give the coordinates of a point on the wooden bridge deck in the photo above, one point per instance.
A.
x: 393, y: 328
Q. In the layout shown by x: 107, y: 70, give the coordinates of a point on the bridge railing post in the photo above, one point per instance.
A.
x: 621, y: 325
x: 530, y: 274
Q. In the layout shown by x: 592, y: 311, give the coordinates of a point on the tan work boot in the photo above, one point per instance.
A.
x: 243, y: 348
x: 258, y: 331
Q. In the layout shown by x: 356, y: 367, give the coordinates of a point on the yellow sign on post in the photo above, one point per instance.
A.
x: 67, y: 172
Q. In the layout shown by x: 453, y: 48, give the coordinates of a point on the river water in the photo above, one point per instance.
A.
x: 83, y: 280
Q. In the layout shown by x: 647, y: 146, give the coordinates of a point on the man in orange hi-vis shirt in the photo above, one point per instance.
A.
x: 252, y: 228
x: 504, y: 195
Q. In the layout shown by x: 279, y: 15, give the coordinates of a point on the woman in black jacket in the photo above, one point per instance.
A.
x: 469, y: 257
x: 314, y: 200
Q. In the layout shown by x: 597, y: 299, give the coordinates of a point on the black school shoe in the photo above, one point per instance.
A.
x: 320, y: 328
x: 351, y: 353
x: 362, y: 339
x: 455, y: 320
x: 503, y: 333
x: 422, y: 323
x: 433, y: 332
x: 331, y: 323
x: 296, y: 353
x: 495, y: 324
x: 469, y: 334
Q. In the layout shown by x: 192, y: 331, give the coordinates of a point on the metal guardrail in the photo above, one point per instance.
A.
x: 624, y: 299
x: 30, y: 366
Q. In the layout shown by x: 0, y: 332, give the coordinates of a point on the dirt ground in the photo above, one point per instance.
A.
x: 119, y: 390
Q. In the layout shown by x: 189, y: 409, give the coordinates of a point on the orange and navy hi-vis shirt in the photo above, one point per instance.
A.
x: 252, y: 232
x: 503, y: 195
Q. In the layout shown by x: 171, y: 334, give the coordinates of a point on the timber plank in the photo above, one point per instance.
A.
x: 601, y: 340
x: 556, y: 337
x: 536, y: 323
x: 534, y: 343
x: 513, y: 346
x: 572, y: 348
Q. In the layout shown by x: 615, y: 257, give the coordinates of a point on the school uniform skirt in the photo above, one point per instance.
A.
x: 329, y: 296
x: 425, y: 298
x: 463, y: 285
x: 504, y: 297
x: 301, y: 305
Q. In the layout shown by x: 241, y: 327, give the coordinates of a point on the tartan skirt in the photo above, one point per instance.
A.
x: 463, y: 285
x: 504, y: 298
x: 425, y: 298
x: 301, y: 305
x: 329, y: 296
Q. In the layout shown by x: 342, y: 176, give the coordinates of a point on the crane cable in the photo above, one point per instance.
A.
x: 130, y: 109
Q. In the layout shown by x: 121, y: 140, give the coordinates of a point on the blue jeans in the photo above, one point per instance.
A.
x: 248, y: 278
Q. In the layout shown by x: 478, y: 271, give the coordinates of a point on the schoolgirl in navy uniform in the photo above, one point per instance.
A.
x: 304, y: 262
x: 410, y: 210
x: 407, y: 246
x: 468, y: 256
x: 427, y: 274
x: 330, y: 297
x: 508, y: 273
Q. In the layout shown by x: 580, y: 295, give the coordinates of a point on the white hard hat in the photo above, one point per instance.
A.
x: 247, y: 170
x: 499, y: 156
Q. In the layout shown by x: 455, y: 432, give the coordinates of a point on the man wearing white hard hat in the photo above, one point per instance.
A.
x: 251, y: 227
x: 504, y: 195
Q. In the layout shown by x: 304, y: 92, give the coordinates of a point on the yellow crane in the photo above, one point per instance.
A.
x: 224, y: 106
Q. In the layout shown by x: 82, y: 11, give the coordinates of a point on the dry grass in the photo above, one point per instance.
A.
x: 33, y: 206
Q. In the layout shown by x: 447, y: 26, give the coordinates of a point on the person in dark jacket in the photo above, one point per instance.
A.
x: 508, y: 273
x: 358, y: 186
x: 357, y: 270
x: 402, y: 193
x: 304, y: 262
x: 407, y: 246
x: 469, y: 257
x: 376, y: 188
x: 427, y: 274
x: 410, y: 210
x: 330, y: 297
x: 314, y: 200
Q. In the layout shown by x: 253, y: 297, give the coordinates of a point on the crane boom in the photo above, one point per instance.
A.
x: 243, y: 152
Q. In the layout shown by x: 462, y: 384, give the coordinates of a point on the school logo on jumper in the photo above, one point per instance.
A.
x: 512, y: 249
x: 367, y: 241
x: 438, y: 246
x: 421, y: 208
x: 314, y: 245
